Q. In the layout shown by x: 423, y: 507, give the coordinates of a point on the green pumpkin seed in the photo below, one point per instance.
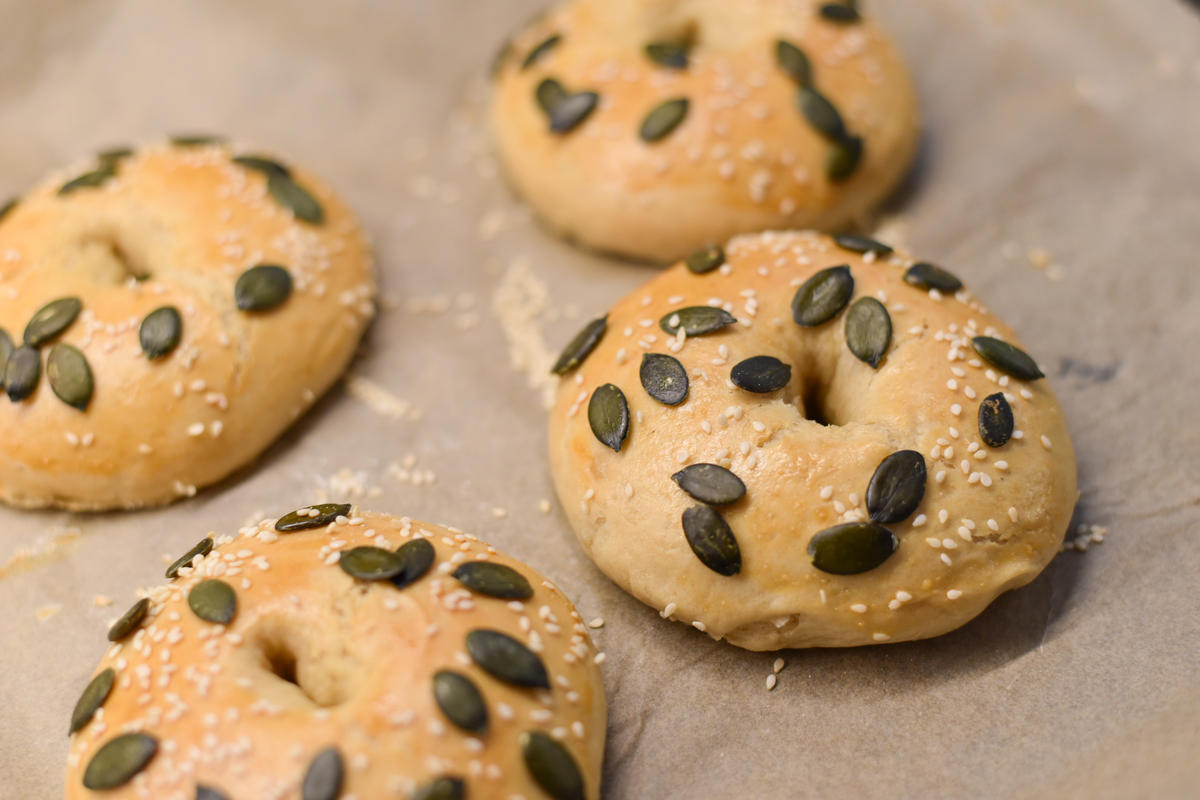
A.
x: 821, y: 113
x: 195, y: 140
x: 706, y: 259
x: 868, y: 330
x: 794, y: 62
x: 841, y: 13
x: 213, y: 600
x: 711, y: 484
x: 672, y: 55
x: 861, y: 244
x: 844, y: 157
x: 160, y: 332
x: 506, y: 659
x: 663, y: 119
x: 295, y: 198
x: 552, y: 767
x: 69, y: 375
x: 897, y: 487
x: 549, y: 93
x: 543, y: 47
x: 208, y: 793
x: 130, y: 621
x: 22, y: 373
x: 6, y: 208
x: 92, y: 698
x: 370, y: 563
x: 89, y: 180
x: 51, y: 319
x: 581, y: 346
x: 608, y: 414
x: 572, y: 110
x: 924, y: 275
x: 460, y: 700
x: 202, y: 548
x: 821, y: 297
x: 852, y: 548
x: 323, y: 780
x: 119, y: 760
x: 696, y: 320
x: 267, y: 166
x: 262, y: 288
x: 303, y: 518
x: 709, y: 536
x: 113, y: 156
x: 493, y: 580
x: 761, y: 374
x: 6, y: 350
x: 995, y: 420
x: 417, y: 557
x: 443, y: 788
x: 664, y: 378
x: 1007, y: 358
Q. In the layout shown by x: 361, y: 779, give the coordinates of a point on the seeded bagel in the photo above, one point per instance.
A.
x: 808, y: 441
x: 165, y: 313
x: 648, y: 128
x: 337, y: 654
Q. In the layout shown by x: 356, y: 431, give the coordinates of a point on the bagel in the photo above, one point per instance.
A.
x: 189, y: 300
x: 337, y: 654
x: 649, y: 128
x: 807, y: 441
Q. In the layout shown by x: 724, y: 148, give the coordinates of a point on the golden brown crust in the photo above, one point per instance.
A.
x: 744, y: 159
x: 363, y: 656
x: 1005, y: 509
x: 193, y: 222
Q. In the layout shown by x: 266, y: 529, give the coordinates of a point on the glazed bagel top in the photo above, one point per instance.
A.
x: 365, y: 656
x: 188, y: 301
x: 880, y: 459
x: 651, y: 127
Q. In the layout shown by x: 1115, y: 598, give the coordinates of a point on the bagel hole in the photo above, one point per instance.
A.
x: 281, y: 657
x: 104, y: 257
x: 816, y: 408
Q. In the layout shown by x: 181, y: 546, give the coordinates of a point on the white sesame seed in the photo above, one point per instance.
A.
x: 1045, y: 441
x: 946, y: 560
x: 777, y: 667
x: 859, y: 608
x: 880, y: 637
x: 771, y: 681
x: 953, y: 594
x: 826, y: 492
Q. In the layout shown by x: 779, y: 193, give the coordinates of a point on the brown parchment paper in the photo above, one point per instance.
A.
x: 1069, y: 128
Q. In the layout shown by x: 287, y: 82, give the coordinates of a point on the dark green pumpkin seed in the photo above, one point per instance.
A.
x: 852, y: 548
x: 761, y: 374
x: 572, y: 110
x: 543, y: 47
x: 301, y: 519
x: 710, y: 483
x: 844, y: 157
x: 443, y: 788
x: 6, y: 208
x: 862, y: 244
x: 549, y: 94
x: 494, y: 580
x: 506, y: 659
x: 696, y: 320
x: 821, y: 297
x: 709, y: 536
x: 113, y: 156
x: 262, y: 288
x: 924, y: 275
x: 92, y: 698
x: 581, y: 346
x: 706, y: 259
x: 22, y: 373
x: 821, y: 113
x: 663, y: 119
x: 370, y: 563
x: 323, y: 779
x: 664, y: 378
x: 160, y: 332
x: 897, y: 487
x: 267, y: 166
x: 6, y: 350
x: 868, y: 330
x: 195, y: 140
x: 213, y: 600
x: 995, y: 420
x: 608, y: 414
x: 672, y: 55
x: 460, y: 700
x: 202, y: 548
x: 417, y: 556
x: 130, y: 621
x: 69, y: 375
x: 841, y: 13
x: 295, y: 198
x: 90, y: 180
x: 119, y: 760
x: 794, y: 62
x: 51, y: 319
x: 1007, y: 358
x: 208, y: 793
x: 552, y: 767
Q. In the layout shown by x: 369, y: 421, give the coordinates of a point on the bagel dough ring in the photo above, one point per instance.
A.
x: 147, y: 409
x: 987, y: 519
x: 320, y: 674
x: 741, y: 139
